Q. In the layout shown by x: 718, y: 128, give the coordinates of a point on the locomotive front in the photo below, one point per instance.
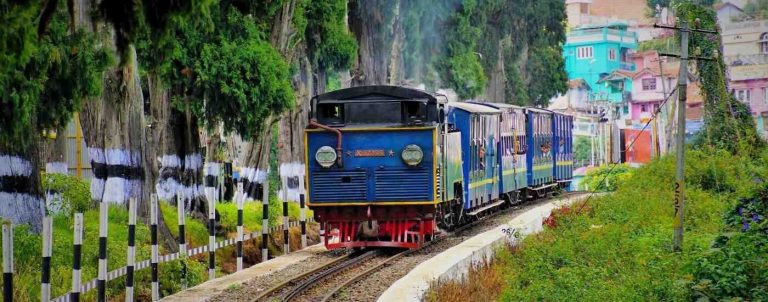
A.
x: 372, y: 161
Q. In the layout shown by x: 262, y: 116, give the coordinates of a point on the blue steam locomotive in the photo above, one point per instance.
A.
x: 388, y: 165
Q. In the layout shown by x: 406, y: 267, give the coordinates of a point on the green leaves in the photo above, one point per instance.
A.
x: 43, y: 80
x: 242, y: 80
x: 331, y: 47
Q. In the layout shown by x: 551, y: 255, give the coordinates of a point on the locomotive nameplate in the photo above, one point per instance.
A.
x: 369, y: 153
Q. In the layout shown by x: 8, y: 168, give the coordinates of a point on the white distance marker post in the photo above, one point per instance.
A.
x: 180, y: 212
x: 155, y: 257
x: 303, y: 210
x: 286, y: 245
x: 265, y: 221
x: 77, y: 255
x: 8, y: 261
x: 239, y: 198
x: 45, y: 271
x: 211, y: 195
x: 101, y: 282
x: 131, y: 261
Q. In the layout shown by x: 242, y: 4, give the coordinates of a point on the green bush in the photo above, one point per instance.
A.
x: 619, y: 247
x: 75, y: 192
x: 737, y: 265
x: 606, y: 178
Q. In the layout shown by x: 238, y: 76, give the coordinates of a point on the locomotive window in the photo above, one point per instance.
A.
x: 373, y: 113
x: 331, y: 114
x: 414, y: 112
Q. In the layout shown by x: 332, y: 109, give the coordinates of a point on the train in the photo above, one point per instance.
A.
x: 390, y: 166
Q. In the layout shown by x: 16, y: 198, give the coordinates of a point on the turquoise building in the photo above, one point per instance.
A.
x: 600, y: 55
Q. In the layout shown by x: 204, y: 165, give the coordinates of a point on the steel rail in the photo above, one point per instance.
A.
x: 391, y: 259
x: 312, y: 281
x: 330, y: 267
x: 285, y: 283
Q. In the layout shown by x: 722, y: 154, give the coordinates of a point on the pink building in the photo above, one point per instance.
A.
x: 653, y: 81
x: 649, y: 85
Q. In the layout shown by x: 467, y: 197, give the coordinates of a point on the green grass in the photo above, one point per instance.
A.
x: 620, y: 248
x: 28, y: 246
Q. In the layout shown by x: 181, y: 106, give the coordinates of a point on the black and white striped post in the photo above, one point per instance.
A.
x: 303, y: 221
x: 45, y: 270
x: 211, y: 195
x: 8, y: 261
x: 265, y: 220
x: 182, y: 240
x: 286, y: 245
x: 101, y: 283
x: 131, y: 261
x: 155, y: 257
x: 303, y: 208
x: 77, y: 257
x: 239, y: 198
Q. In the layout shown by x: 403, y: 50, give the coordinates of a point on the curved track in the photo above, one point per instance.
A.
x: 295, y: 287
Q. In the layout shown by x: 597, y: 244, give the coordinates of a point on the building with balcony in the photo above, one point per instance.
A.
x: 745, y: 47
x: 599, y: 54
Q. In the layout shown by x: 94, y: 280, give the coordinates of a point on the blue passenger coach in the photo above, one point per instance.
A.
x: 479, y: 126
x: 562, y: 141
x: 540, y: 163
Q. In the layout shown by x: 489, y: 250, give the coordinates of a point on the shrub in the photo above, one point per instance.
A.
x: 606, y: 178
x: 737, y: 265
x: 75, y: 192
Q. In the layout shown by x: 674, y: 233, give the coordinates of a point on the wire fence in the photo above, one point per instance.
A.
x: 79, y: 288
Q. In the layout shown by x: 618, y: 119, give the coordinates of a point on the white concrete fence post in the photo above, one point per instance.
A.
x: 77, y: 257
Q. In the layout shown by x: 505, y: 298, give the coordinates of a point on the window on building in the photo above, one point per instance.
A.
x: 649, y: 84
x: 744, y: 95
x: 584, y: 52
x: 643, y: 108
x: 765, y: 95
x: 764, y: 43
x: 612, y: 54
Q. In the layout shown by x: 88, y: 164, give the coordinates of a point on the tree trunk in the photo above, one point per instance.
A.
x: 371, y: 23
x: 115, y: 130
x: 497, y: 79
x: 53, y: 152
x: 291, y: 135
x: 20, y: 191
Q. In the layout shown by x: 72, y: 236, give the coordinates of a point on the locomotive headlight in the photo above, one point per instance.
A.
x: 325, y: 156
x: 412, y: 155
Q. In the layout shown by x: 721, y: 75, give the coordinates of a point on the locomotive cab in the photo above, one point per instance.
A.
x: 372, y: 165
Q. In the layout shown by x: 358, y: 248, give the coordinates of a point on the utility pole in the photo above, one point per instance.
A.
x: 682, y: 85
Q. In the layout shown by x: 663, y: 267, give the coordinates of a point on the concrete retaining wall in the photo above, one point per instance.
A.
x: 454, y: 263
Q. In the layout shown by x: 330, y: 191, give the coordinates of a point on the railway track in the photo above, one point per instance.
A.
x: 298, y: 286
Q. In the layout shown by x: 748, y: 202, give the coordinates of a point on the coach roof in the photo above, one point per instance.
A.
x: 474, y: 108
x: 380, y: 92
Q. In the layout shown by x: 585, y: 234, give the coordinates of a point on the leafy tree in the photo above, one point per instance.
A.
x: 461, y: 65
x: 582, y: 149
x: 331, y: 47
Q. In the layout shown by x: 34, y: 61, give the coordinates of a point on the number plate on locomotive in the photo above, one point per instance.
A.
x: 369, y: 153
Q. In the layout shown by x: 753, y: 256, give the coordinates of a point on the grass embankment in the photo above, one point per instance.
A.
x: 619, y: 247
x: 28, y: 246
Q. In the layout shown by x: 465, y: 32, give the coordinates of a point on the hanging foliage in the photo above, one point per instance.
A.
x: 43, y: 79
x: 728, y: 123
x: 331, y: 47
